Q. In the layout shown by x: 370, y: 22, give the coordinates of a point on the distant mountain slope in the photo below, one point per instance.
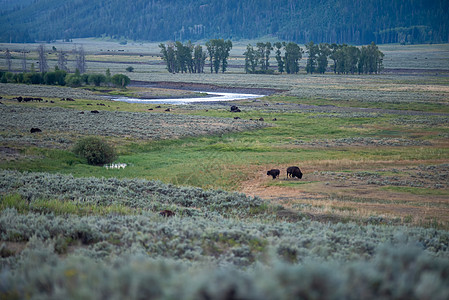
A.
x: 339, y: 21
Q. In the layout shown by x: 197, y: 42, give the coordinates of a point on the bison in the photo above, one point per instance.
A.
x: 274, y: 172
x: 167, y: 213
x: 235, y: 109
x: 294, y: 172
x: 34, y: 130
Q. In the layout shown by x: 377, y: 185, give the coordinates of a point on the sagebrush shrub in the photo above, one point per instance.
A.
x: 95, y: 150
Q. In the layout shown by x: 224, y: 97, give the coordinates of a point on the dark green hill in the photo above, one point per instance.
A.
x: 339, y: 21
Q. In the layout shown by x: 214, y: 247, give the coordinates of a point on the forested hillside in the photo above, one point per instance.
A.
x: 332, y: 21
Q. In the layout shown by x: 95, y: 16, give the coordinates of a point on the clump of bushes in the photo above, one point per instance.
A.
x: 60, y: 77
x: 120, y: 80
x: 95, y: 150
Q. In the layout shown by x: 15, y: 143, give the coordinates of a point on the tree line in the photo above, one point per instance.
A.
x: 60, y: 75
x: 330, y: 21
x: 347, y: 59
x: 192, y: 59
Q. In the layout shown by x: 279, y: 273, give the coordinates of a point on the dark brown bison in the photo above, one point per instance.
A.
x: 274, y: 172
x: 167, y: 213
x: 294, y: 172
x: 34, y: 130
x: 235, y: 109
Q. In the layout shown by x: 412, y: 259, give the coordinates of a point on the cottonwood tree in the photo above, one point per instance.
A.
x: 263, y: 55
x: 168, y: 55
x: 218, y: 51
x: 199, y: 59
x: 211, y: 52
x: 250, y: 59
x: 371, y: 59
x: 62, y: 61
x: 334, y: 55
x: 43, y: 66
x: 312, y: 50
x: 293, y: 54
x: 225, y: 50
x: 183, y: 58
x: 80, y: 59
x: 279, y: 58
x: 323, y: 53
x: 352, y: 55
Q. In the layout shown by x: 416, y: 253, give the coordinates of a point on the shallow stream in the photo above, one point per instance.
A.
x: 214, y: 97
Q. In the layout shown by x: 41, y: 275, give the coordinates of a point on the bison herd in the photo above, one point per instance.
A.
x: 292, y: 172
x: 27, y: 99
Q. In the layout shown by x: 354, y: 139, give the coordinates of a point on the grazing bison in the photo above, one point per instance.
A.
x: 34, y: 130
x: 274, y: 172
x: 167, y: 213
x: 294, y: 172
x: 235, y: 109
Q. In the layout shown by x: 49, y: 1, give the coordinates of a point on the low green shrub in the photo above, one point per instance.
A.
x: 95, y: 150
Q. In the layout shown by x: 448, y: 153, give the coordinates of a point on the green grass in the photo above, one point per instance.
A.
x: 416, y: 190
x: 225, y: 161
x: 208, y: 162
x: 415, y: 106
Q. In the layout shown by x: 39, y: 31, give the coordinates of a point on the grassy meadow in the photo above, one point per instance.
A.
x: 374, y: 151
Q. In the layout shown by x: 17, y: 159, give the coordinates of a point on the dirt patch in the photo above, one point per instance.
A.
x: 412, y: 194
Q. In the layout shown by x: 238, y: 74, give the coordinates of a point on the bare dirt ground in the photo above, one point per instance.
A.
x: 337, y: 195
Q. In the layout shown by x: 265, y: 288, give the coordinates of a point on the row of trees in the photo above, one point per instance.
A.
x: 258, y: 60
x: 78, y: 53
x: 189, y: 58
x: 183, y: 58
x: 61, y: 77
x: 347, y: 59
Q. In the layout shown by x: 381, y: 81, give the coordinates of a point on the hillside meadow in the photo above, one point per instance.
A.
x: 369, y: 219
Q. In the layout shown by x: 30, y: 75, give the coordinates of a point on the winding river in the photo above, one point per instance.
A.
x: 212, y: 97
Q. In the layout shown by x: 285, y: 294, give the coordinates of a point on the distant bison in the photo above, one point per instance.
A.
x: 294, y: 172
x: 274, y: 172
x: 167, y: 213
x: 34, y: 130
x: 235, y: 109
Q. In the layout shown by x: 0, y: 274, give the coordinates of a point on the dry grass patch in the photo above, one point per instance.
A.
x: 362, y: 192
